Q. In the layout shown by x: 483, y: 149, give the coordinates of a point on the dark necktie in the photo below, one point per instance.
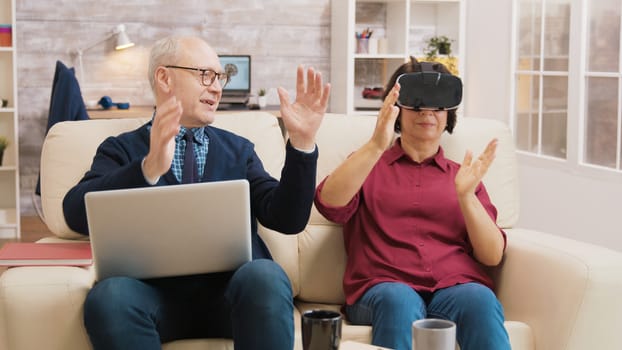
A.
x: 190, y: 173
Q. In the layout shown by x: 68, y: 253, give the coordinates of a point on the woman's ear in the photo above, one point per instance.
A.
x: 397, y: 127
x: 163, y: 79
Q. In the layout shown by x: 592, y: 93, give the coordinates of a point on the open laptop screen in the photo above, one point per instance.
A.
x: 140, y: 232
x: 240, y: 68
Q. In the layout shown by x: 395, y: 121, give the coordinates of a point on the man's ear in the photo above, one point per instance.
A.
x: 163, y: 79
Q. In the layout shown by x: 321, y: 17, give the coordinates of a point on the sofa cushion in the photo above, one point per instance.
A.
x: 66, y: 158
x: 44, y: 303
x: 337, y: 138
x: 582, y: 294
x: 321, y: 250
x: 501, y: 180
x: 322, y: 262
x: 261, y: 128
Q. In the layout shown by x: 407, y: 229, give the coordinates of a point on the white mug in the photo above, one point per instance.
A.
x: 434, y: 334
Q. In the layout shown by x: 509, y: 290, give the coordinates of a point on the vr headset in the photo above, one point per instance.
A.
x: 429, y: 90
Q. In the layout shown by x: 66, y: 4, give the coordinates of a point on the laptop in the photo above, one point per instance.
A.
x: 238, y: 90
x: 168, y: 231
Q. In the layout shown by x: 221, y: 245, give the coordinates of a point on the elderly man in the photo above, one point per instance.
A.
x: 253, y: 305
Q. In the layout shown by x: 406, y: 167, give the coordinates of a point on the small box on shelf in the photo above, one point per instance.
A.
x: 4, y: 143
x: 367, y: 104
x: 6, y: 35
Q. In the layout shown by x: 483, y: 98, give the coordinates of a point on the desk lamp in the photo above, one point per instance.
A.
x: 123, y: 42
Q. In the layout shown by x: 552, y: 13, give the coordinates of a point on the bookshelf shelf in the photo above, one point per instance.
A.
x: 9, y: 169
x: 399, y: 30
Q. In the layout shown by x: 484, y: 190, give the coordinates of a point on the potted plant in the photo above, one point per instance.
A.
x: 261, y: 99
x: 438, y: 45
x: 4, y: 143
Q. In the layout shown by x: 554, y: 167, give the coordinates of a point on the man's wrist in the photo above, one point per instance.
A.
x: 151, y: 181
x: 307, y: 151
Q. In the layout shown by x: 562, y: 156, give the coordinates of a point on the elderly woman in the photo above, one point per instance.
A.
x: 418, y: 227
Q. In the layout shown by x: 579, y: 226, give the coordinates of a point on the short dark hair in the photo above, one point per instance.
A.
x: 412, y: 67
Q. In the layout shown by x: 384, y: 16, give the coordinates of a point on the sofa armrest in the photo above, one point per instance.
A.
x: 567, y: 291
x: 41, y: 307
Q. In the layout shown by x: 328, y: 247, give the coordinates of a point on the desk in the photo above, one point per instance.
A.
x: 147, y: 112
x: 115, y: 113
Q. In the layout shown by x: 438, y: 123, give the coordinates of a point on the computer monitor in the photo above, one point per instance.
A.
x: 239, y: 67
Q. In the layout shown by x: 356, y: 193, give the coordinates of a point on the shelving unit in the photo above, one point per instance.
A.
x: 9, y: 169
x: 401, y: 28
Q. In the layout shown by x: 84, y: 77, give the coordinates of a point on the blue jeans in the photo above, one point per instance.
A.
x: 390, y: 308
x: 252, y: 305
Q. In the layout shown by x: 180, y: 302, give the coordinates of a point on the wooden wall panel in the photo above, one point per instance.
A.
x: 278, y: 34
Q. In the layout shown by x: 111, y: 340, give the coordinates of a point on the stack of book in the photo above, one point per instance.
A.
x: 46, y: 254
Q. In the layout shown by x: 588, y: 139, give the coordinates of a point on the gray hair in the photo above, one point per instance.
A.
x: 164, y: 51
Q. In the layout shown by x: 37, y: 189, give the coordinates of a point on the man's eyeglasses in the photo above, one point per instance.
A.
x: 208, y: 76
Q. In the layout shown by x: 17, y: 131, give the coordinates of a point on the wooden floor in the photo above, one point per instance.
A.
x: 33, y: 229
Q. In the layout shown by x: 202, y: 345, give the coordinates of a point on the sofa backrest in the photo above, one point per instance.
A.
x: 321, y: 251
x: 67, y: 153
x: 69, y: 148
x: 315, y: 259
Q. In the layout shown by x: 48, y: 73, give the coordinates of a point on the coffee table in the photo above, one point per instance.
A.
x: 353, y: 345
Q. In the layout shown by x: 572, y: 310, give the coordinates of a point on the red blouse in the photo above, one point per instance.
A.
x: 405, y: 225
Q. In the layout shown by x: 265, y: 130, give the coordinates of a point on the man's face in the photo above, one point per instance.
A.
x: 199, y: 102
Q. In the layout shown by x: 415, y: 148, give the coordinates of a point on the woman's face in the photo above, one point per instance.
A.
x: 424, y: 126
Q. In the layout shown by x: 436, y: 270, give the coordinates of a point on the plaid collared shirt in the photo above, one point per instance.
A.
x: 201, y: 143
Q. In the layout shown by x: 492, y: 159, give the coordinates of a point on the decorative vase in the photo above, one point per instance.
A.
x: 261, y: 101
x: 1, y: 154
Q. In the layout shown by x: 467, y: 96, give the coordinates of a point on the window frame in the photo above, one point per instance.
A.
x: 577, y: 76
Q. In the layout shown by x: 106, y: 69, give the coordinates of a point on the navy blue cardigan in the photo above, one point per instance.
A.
x: 282, y: 206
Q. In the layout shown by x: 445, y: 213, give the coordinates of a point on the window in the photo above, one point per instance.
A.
x: 567, y: 81
x: 542, y: 77
x: 602, y: 85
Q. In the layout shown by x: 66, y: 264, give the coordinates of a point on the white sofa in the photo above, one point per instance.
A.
x: 557, y: 293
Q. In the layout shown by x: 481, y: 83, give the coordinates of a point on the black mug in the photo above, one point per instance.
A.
x: 321, y: 330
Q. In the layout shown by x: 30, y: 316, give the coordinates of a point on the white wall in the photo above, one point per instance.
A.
x: 581, y: 207
x: 278, y: 34
x: 578, y: 206
x: 487, y: 73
